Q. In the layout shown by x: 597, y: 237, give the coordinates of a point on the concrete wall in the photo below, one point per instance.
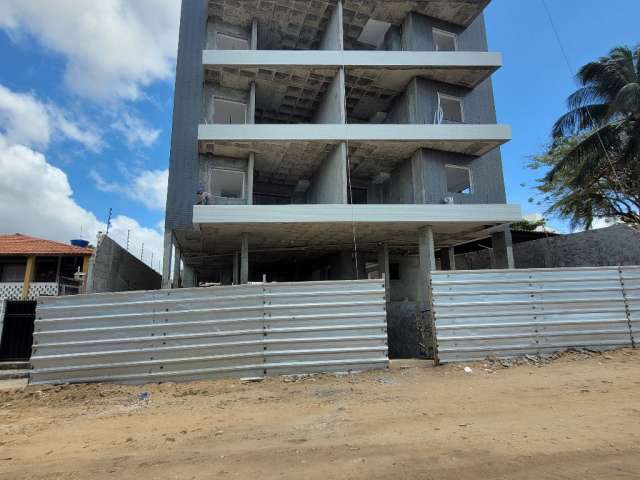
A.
x: 616, y: 245
x: 418, y: 34
x: 329, y: 183
x: 113, y: 269
x: 332, y: 107
x: 214, y: 28
x: 187, y: 111
x: 333, y: 38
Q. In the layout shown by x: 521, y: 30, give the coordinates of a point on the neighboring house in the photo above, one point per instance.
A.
x: 31, y: 267
x: 336, y: 139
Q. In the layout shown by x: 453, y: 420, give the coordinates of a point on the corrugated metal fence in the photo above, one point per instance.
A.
x: 506, y: 313
x: 188, y: 334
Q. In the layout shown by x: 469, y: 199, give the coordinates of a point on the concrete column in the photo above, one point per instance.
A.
x: 254, y: 34
x: 503, y: 249
x: 236, y: 268
x: 251, y: 110
x: 250, y: 169
x: 333, y: 37
x: 448, y: 258
x: 244, y: 260
x: 176, y: 266
x: 383, y: 266
x: 166, y: 261
x: 427, y: 264
x: 29, y: 273
x: 189, y: 277
x: 332, y: 108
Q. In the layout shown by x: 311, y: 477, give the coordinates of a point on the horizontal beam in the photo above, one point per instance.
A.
x: 351, y: 58
x: 355, y: 132
x: 333, y: 214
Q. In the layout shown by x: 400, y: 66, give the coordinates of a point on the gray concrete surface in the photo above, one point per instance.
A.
x: 113, y: 269
x: 615, y: 245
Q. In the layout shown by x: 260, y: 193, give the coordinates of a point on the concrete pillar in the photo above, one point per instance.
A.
x: 503, y: 249
x: 333, y: 37
x: 244, y: 259
x: 383, y: 266
x: 176, y: 266
x: 29, y: 273
x: 448, y: 258
x: 189, y: 277
x: 254, y: 34
x: 424, y: 313
x: 251, y: 110
x: 166, y: 261
x: 332, y: 108
x: 236, y: 268
x: 427, y: 264
x: 250, y: 169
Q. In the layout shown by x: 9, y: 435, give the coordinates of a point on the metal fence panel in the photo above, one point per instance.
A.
x: 188, y: 334
x: 506, y: 313
x: 631, y: 281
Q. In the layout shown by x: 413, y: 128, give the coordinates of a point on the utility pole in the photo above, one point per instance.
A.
x: 128, y: 235
x: 109, y: 220
x: 142, y: 253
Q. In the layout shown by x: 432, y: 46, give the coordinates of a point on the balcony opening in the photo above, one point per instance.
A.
x: 450, y: 109
x: 229, y: 42
x: 229, y: 111
x: 444, y: 41
x: 458, y: 179
x: 227, y: 184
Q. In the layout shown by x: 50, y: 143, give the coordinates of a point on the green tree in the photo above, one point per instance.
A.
x: 593, y: 162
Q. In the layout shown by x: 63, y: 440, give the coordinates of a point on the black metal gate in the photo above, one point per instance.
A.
x: 17, y: 331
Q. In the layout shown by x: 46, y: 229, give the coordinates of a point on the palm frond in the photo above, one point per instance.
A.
x: 627, y: 101
x: 586, y: 117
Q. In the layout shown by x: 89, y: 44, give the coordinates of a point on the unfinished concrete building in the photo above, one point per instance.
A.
x: 337, y: 139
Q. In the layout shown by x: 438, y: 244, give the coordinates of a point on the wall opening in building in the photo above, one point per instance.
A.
x: 444, y: 41
x: 229, y: 111
x: 450, y: 109
x: 227, y: 183
x: 230, y: 42
x: 458, y: 179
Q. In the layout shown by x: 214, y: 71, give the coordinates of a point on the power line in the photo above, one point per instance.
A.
x: 573, y: 73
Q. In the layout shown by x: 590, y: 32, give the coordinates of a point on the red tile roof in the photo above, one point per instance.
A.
x: 23, y: 245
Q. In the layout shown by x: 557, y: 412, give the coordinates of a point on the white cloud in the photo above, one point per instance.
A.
x: 25, y: 120
x: 113, y: 48
x: 148, y: 187
x: 136, y: 131
x: 36, y: 199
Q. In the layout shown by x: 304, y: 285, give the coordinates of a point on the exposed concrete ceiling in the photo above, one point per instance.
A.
x: 283, y: 95
x: 293, y: 94
x: 283, y: 24
x: 289, y: 161
x: 318, y: 239
x: 300, y: 24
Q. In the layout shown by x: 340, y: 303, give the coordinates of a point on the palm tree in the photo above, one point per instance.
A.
x: 595, y: 155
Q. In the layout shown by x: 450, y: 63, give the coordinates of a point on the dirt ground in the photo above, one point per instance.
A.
x: 576, y: 418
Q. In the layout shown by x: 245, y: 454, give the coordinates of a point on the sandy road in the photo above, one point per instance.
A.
x: 575, y: 418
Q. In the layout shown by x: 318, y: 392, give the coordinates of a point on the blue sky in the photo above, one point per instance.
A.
x: 532, y: 86
x: 112, y: 89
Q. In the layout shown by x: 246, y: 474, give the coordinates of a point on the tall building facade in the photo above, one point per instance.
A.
x: 336, y: 139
